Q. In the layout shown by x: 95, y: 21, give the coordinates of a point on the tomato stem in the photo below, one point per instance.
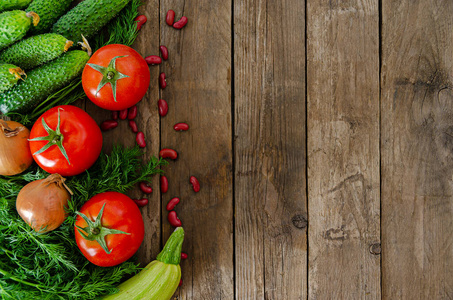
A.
x: 95, y: 231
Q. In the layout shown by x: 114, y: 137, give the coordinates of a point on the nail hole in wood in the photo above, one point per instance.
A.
x: 375, y: 249
x: 300, y: 221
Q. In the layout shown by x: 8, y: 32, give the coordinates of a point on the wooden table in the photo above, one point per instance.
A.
x: 322, y: 136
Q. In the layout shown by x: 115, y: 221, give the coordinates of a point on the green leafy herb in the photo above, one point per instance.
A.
x: 49, y: 266
x: 121, y: 30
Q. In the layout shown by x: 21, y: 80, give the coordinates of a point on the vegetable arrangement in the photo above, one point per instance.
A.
x: 72, y: 237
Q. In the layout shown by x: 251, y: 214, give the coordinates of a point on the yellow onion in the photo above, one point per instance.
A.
x: 41, y: 203
x: 15, y: 155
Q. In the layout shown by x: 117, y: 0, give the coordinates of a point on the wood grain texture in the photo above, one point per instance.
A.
x: 198, y: 92
x: 148, y: 122
x: 417, y: 143
x: 343, y: 149
x: 270, y: 189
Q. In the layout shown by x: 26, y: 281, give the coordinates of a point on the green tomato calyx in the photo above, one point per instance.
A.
x: 94, y: 231
x: 109, y: 75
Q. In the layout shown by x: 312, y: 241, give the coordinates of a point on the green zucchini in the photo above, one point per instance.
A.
x: 87, y: 18
x: 36, y: 50
x: 42, y: 82
x: 13, y: 4
x: 9, y: 75
x: 14, y: 25
x: 49, y: 11
x: 160, y: 278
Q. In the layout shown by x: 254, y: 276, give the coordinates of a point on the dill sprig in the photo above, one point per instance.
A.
x: 121, y: 30
x: 50, y: 265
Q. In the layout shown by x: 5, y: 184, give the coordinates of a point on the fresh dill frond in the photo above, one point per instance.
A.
x: 50, y: 265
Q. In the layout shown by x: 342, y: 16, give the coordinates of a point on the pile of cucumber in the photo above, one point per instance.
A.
x: 37, y: 46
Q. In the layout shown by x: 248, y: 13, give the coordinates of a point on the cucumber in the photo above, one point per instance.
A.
x: 9, y: 75
x: 35, y: 50
x: 49, y: 11
x: 160, y: 278
x: 14, y: 25
x: 13, y: 4
x: 87, y: 18
x: 42, y: 82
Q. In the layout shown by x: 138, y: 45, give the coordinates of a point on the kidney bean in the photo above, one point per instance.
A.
x: 170, y: 18
x: 162, y: 80
x: 180, y: 282
x: 164, y: 52
x: 132, y: 112
x: 172, y: 203
x: 173, y: 219
x: 108, y: 124
x: 141, y: 202
x: 184, y: 255
x: 163, y: 184
x: 163, y: 107
x: 115, y: 115
x: 181, y: 23
x: 195, y: 184
x: 145, y: 188
x: 123, y: 114
x: 168, y: 153
x: 181, y: 127
x: 153, y: 60
x: 140, y: 138
x: 133, y: 126
x: 141, y: 19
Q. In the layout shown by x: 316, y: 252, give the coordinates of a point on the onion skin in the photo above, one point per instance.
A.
x: 41, y: 203
x: 15, y: 155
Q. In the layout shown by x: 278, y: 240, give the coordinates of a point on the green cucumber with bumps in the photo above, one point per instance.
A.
x: 87, y: 18
x: 42, y: 82
x: 9, y: 75
x: 14, y: 25
x: 36, y: 50
x: 49, y: 11
x: 13, y: 4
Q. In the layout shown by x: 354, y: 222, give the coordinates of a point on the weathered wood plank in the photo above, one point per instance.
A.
x: 148, y: 122
x: 343, y: 148
x: 417, y: 165
x: 199, y: 93
x: 270, y: 165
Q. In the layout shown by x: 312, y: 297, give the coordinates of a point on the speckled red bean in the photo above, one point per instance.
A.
x: 184, y: 255
x: 181, y: 23
x: 163, y: 184
x: 115, y: 115
x: 108, y: 125
x: 145, y: 188
x: 123, y: 114
x: 132, y: 112
x: 162, y: 80
x: 172, y: 203
x: 170, y: 18
x: 163, y: 107
x: 164, y: 52
x: 173, y: 219
x: 140, y: 138
x: 168, y: 153
x: 181, y: 127
x: 195, y: 184
x: 141, y: 202
x: 133, y: 126
x: 153, y: 60
x: 141, y: 19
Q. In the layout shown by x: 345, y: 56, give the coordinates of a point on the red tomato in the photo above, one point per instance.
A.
x: 79, y: 135
x: 118, y: 65
x: 120, y: 213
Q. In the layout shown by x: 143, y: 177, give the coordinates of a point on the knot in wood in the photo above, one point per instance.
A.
x: 375, y: 248
x: 300, y: 221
